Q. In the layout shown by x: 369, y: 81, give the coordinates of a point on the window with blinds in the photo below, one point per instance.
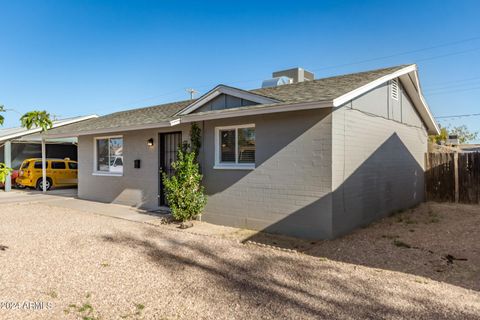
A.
x: 235, y: 147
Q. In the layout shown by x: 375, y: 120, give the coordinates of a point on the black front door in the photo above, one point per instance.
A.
x: 169, y: 145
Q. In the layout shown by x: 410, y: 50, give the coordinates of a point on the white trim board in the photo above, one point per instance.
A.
x: 164, y: 124
x: 230, y: 113
x: 337, y: 102
x: 222, y: 89
x: 415, y: 95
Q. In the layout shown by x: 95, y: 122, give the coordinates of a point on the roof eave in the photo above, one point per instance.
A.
x: 241, y: 112
x: 39, y: 130
x: 420, y: 103
x: 163, y: 124
x: 218, y: 90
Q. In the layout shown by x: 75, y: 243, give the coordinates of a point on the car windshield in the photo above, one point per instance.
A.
x: 25, y: 165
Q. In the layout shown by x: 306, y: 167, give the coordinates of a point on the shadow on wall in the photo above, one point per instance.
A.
x: 277, y: 139
x: 389, y: 180
x: 133, y: 197
x: 293, y: 156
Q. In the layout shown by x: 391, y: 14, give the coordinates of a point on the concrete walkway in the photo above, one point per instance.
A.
x: 19, y: 196
x: 108, y: 209
x: 67, y: 199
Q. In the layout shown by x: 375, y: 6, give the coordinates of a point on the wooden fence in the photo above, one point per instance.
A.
x: 453, y: 177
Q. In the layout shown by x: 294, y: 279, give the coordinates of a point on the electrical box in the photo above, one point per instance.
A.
x: 136, y: 164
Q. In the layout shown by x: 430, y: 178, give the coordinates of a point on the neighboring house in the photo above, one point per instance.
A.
x: 18, y: 144
x: 314, y: 159
x: 468, y: 148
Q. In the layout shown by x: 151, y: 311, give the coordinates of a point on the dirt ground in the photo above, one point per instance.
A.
x: 59, y: 263
x: 440, y: 241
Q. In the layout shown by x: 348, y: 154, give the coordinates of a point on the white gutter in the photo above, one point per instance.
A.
x: 427, y: 108
x: 226, y: 113
x: 164, y: 124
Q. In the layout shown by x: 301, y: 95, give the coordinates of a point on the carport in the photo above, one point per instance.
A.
x: 21, y: 143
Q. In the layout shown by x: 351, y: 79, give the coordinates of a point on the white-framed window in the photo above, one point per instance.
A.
x: 108, y: 156
x: 235, y: 147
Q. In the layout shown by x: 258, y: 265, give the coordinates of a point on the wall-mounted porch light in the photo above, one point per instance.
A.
x: 150, y: 142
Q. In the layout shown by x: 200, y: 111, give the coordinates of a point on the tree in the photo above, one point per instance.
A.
x: 2, y: 109
x: 443, y: 136
x: 464, y: 135
x: 38, y: 119
x: 185, y: 194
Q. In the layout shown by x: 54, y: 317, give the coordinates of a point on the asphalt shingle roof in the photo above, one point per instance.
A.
x: 325, y: 88
x: 129, y: 118
x: 317, y: 90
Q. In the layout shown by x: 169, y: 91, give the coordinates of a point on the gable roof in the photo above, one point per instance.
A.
x: 227, y: 90
x: 326, y: 92
x: 325, y: 88
x: 330, y: 92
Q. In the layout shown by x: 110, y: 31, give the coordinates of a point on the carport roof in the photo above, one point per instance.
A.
x: 32, y: 134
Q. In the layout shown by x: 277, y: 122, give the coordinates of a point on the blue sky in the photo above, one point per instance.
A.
x: 82, y: 57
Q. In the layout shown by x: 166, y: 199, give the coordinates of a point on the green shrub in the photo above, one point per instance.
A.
x: 185, y: 194
x: 196, y: 139
x: 4, y: 171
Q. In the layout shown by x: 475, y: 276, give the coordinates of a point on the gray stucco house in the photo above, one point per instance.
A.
x: 313, y: 158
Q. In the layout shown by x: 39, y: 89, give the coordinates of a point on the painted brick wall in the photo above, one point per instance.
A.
x: 137, y: 187
x: 378, y: 162
x: 289, y: 190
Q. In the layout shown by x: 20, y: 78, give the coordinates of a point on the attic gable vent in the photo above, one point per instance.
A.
x: 394, y: 89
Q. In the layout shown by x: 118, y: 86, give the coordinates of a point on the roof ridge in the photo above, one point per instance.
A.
x: 257, y: 91
x: 335, y: 76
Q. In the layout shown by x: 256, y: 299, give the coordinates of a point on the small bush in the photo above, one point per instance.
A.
x: 4, y: 172
x: 185, y: 194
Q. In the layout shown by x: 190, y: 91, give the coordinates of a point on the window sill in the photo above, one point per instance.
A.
x: 234, y: 167
x: 107, y: 174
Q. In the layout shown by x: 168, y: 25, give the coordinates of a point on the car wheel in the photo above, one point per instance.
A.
x: 40, y: 184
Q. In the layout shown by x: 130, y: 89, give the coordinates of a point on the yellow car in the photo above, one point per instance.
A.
x: 60, y: 173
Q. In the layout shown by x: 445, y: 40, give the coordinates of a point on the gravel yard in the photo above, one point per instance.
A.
x: 81, y: 264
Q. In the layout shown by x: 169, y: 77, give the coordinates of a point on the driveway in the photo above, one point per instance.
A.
x: 30, y: 195
x: 72, y: 263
